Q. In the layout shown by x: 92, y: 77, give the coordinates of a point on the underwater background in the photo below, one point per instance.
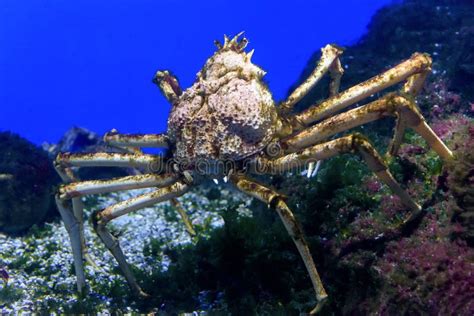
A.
x: 69, y: 72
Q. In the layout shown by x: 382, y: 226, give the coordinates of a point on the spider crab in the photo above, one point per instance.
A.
x: 228, y: 115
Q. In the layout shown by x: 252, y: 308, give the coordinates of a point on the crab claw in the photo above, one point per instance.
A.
x: 168, y: 85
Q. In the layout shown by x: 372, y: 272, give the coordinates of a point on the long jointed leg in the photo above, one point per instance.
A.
x: 136, y: 140
x: 74, y: 190
x: 335, y: 71
x: 184, y: 216
x: 352, y: 143
x: 101, y: 218
x: 74, y: 229
x: 73, y: 217
x: 74, y: 224
x: 144, y: 161
x: 291, y: 224
x: 77, y: 189
x: 65, y: 161
x: 414, y: 70
x: 402, y: 107
x: 329, y: 62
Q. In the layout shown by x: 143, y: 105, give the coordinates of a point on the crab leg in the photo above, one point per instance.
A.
x: 64, y: 161
x: 329, y: 62
x: 352, y: 143
x: 101, y: 218
x: 78, y: 189
x: 136, y: 140
x: 73, y: 220
x: 291, y: 224
x: 415, y: 83
x: 152, y: 163
x: 75, y: 232
x: 184, y: 216
x: 418, y: 66
x: 74, y: 224
x: 391, y: 105
x: 330, y: 55
x: 335, y: 71
x: 412, y: 87
x: 168, y: 85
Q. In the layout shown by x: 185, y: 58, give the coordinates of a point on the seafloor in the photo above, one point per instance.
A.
x: 242, y: 261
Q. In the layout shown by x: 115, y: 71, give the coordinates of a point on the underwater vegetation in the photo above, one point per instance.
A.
x: 243, y: 262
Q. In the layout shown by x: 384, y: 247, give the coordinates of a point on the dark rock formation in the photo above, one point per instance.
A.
x: 26, y: 185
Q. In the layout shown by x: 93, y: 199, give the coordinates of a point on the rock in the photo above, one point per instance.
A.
x: 77, y: 140
x: 461, y: 184
x: 27, y: 181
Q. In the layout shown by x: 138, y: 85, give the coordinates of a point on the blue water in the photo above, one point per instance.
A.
x: 90, y: 63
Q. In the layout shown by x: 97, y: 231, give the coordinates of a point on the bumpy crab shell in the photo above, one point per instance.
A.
x: 228, y: 113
